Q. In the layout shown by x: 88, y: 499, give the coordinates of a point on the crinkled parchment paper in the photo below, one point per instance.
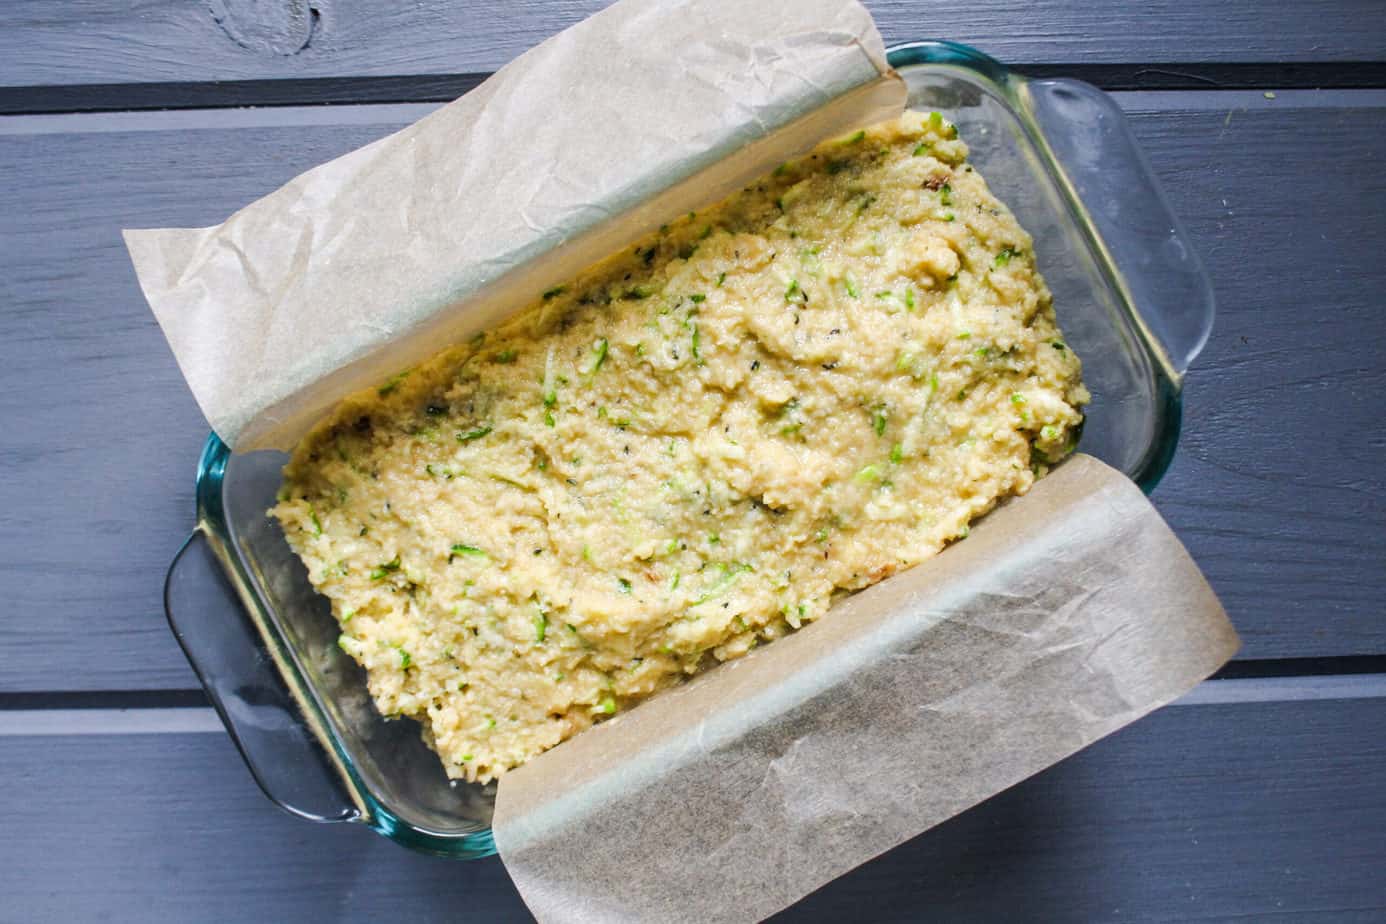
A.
x: 371, y: 262
x: 1067, y: 613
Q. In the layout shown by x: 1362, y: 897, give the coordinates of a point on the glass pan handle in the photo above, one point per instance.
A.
x: 245, y: 688
x: 1160, y: 271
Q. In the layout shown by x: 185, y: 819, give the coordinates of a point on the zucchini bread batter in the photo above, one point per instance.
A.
x: 689, y: 450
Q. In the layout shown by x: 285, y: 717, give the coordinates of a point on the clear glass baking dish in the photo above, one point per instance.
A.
x: 1131, y: 296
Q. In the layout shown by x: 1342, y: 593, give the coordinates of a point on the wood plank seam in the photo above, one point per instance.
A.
x: 124, y: 97
x: 202, y: 719
x: 1338, y: 671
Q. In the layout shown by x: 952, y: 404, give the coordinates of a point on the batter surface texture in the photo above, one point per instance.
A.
x: 689, y: 450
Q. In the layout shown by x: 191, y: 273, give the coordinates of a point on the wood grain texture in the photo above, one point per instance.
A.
x: 108, y: 41
x: 1130, y: 829
x: 1278, y: 487
x: 1277, y: 490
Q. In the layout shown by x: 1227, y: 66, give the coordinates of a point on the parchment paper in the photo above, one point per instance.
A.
x: 1065, y: 615
x: 374, y: 261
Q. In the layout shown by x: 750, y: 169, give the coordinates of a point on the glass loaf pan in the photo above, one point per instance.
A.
x: 1131, y: 296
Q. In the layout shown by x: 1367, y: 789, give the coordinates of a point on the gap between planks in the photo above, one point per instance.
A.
x: 201, y: 720
x: 404, y: 113
x: 349, y: 90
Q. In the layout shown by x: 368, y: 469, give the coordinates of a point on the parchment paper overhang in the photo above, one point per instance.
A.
x: 374, y: 261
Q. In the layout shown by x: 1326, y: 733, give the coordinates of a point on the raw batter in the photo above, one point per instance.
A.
x: 689, y: 450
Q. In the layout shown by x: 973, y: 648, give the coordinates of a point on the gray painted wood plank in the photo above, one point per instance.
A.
x: 1260, y: 811
x: 1277, y: 490
x: 106, y: 41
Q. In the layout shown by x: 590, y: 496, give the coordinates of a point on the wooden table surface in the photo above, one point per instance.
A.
x: 1262, y: 796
